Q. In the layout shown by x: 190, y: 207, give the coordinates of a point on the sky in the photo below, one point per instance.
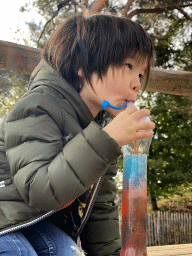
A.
x: 12, y: 20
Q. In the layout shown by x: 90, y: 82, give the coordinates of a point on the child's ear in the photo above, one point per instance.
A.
x: 80, y: 73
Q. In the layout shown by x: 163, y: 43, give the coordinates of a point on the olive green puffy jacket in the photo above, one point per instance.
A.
x: 51, y: 152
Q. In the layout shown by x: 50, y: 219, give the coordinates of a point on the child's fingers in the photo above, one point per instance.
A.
x: 144, y: 134
x: 146, y: 126
x: 141, y: 113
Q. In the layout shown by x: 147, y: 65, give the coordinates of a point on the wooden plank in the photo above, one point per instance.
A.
x: 170, y: 250
x: 158, y: 228
x: 170, y: 82
x: 25, y: 59
x: 18, y: 57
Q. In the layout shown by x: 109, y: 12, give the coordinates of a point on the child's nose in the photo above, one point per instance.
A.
x: 136, y: 84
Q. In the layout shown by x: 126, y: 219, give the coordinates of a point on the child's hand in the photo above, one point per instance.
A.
x: 125, y: 127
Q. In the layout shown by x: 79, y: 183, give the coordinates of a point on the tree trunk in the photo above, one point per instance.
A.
x: 154, y: 203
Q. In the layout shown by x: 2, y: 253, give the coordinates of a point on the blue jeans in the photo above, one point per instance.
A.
x: 42, y: 239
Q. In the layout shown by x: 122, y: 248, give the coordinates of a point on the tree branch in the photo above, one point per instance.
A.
x: 85, y: 2
x: 59, y: 7
x: 178, y: 8
x: 127, y: 8
x: 84, y: 7
x: 75, y: 5
x: 97, y: 6
x: 154, y: 10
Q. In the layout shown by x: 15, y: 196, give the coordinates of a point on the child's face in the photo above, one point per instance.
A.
x: 119, y: 85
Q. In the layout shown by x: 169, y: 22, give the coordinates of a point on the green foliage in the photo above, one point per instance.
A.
x: 171, y: 34
x: 12, y: 86
x: 179, y: 202
x: 11, y: 78
x: 170, y: 154
x: 120, y: 162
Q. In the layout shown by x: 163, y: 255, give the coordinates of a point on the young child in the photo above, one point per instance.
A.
x: 58, y: 162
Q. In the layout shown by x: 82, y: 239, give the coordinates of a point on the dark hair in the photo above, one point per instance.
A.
x: 93, y: 44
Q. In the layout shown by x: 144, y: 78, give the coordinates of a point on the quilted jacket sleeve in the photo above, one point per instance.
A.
x: 47, y: 173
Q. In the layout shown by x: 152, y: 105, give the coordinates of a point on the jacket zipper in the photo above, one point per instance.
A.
x: 30, y: 223
x: 89, y: 206
x: 88, y: 209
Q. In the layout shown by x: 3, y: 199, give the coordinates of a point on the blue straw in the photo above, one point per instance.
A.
x: 106, y: 104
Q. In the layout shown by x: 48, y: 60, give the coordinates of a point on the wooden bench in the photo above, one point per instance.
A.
x: 170, y: 250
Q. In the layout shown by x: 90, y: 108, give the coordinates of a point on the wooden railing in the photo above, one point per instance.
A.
x: 22, y: 58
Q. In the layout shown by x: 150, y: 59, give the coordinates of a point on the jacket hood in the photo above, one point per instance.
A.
x: 46, y: 75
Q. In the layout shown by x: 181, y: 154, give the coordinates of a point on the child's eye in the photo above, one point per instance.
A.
x: 129, y: 66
